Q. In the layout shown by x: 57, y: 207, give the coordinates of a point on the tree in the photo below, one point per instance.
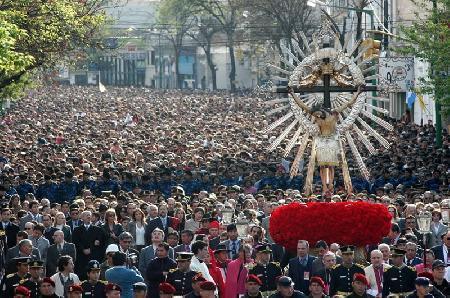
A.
x: 429, y: 39
x: 228, y: 15
x: 175, y: 18
x: 203, y: 32
x: 280, y: 20
x: 40, y: 34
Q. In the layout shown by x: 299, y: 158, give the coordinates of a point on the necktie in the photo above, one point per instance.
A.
x: 60, y: 247
x: 186, y: 248
x: 233, y: 249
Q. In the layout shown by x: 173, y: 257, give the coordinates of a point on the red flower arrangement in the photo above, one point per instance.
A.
x: 346, y: 223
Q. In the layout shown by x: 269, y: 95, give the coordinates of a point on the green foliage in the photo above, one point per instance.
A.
x: 40, y: 34
x: 429, y: 39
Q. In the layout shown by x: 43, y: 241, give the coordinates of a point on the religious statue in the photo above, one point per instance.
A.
x: 328, y: 104
x: 328, y: 148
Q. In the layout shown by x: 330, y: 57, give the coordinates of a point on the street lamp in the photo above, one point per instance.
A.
x: 424, y: 223
x: 445, y: 210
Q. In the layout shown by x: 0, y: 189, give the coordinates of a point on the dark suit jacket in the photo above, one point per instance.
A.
x: 49, y: 234
x: 70, y: 224
x: 11, y: 232
x: 154, y: 274
x: 117, y: 230
x: 86, y: 239
x: 157, y: 223
x: 439, y: 253
x: 53, y: 255
x: 301, y: 274
x: 214, y: 242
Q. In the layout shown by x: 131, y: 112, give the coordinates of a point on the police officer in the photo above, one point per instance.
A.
x: 266, y: 271
x: 197, y: 280
x: 399, y: 279
x: 12, y: 280
x: 34, y: 282
x: 181, y: 277
x: 93, y: 287
x: 342, y: 274
x: 360, y: 284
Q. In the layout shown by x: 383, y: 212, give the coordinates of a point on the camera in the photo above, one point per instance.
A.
x: 132, y: 260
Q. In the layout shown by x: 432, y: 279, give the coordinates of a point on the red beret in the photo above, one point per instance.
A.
x: 428, y: 275
x: 361, y: 278
x: 21, y: 290
x: 112, y: 287
x: 75, y: 288
x: 254, y: 278
x: 48, y: 280
x: 318, y: 280
x: 198, y: 277
x: 214, y: 224
x: 166, y: 288
x: 208, y: 286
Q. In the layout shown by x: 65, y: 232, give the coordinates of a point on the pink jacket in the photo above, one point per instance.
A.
x: 235, y: 284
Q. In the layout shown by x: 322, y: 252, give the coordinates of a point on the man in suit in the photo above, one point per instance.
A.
x: 329, y: 261
x: 158, y: 269
x: 232, y: 243
x: 148, y: 253
x: 374, y: 273
x: 186, y: 239
x: 300, y: 267
x: 162, y: 222
x: 74, y: 220
x: 318, y: 264
x: 49, y: 230
x: 60, y: 248
x: 24, y: 249
x: 10, y: 228
x: 393, y: 236
x: 125, y: 240
x: 441, y: 251
x: 33, y: 215
x: 411, y: 258
x: 90, y: 243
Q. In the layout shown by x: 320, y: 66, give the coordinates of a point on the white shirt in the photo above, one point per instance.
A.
x: 59, y: 287
x: 201, y: 267
x: 445, y: 253
x: 140, y: 232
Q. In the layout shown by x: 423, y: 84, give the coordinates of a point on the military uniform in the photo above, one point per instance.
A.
x: 399, y: 281
x: 182, y: 281
x: 267, y: 274
x: 342, y: 278
x: 11, y: 281
x: 93, y: 290
x: 33, y: 286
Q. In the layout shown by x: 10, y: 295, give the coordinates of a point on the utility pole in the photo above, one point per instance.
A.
x: 437, y: 105
x: 386, y: 24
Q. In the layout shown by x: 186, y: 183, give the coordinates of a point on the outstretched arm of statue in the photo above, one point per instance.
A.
x: 352, y: 101
x: 300, y: 103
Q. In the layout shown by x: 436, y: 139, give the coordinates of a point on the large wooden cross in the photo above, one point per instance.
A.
x: 326, y: 89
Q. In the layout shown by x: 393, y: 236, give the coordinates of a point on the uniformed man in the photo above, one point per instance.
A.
x: 342, y: 274
x: 75, y: 291
x: 317, y: 288
x: 166, y: 290
x: 139, y: 290
x: 12, y: 280
x: 181, y: 277
x: 399, y: 279
x: 34, y: 282
x: 47, y: 288
x: 252, y: 287
x: 112, y: 290
x: 93, y: 287
x: 360, y: 284
x: 265, y: 270
x: 196, y: 281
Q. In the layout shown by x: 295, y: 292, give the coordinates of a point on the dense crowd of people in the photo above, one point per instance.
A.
x: 124, y: 193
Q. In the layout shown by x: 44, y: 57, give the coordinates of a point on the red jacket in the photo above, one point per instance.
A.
x: 217, y: 276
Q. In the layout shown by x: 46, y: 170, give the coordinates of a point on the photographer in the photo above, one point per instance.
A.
x: 125, y: 240
x: 121, y: 275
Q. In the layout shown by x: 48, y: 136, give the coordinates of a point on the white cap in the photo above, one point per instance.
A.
x: 112, y: 248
